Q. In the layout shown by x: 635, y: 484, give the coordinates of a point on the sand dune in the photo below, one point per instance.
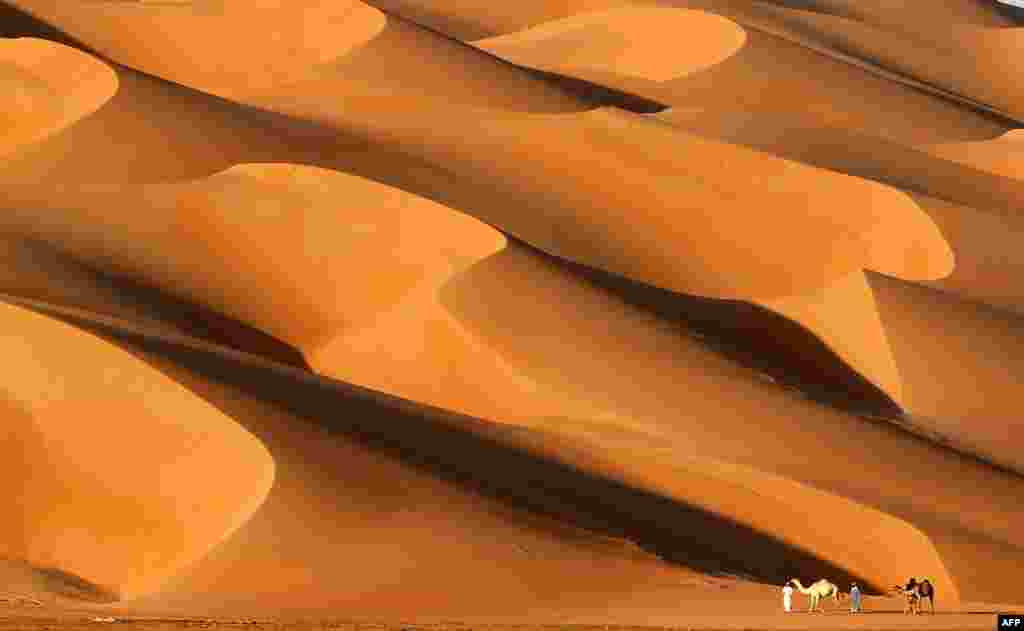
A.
x: 987, y: 253
x: 906, y: 14
x: 155, y: 131
x: 338, y: 266
x: 981, y: 358
x: 47, y: 87
x: 775, y: 75
x: 408, y: 309
x: 969, y: 61
x: 613, y: 172
x: 200, y: 220
x: 474, y: 19
x: 845, y: 318
x: 110, y: 454
x: 36, y: 271
x: 1000, y: 156
x: 677, y: 412
x: 605, y: 41
x: 278, y: 42
x: 862, y: 153
x: 732, y: 497
x: 373, y: 52
x: 859, y: 469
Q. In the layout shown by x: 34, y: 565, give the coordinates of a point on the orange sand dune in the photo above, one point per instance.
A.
x: 347, y: 249
x: 615, y: 178
x: 46, y: 87
x: 36, y: 271
x: 661, y: 267
x: 962, y: 383
x: 155, y: 131
x: 643, y: 383
x: 865, y: 154
x: 114, y: 461
x: 907, y: 14
x: 272, y: 42
x: 473, y: 19
x: 382, y: 54
x: 607, y: 41
x: 769, y: 73
x: 871, y: 467
x: 672, y: 477
x: 392, y: 67
x: 332, y: 313
x: 973, y: 62
x: 988, y: 255
x: 1001, y: 156
x: 735, y: 491
x: 845, y: 318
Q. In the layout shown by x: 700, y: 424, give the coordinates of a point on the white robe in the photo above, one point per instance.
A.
x: 787, y: 598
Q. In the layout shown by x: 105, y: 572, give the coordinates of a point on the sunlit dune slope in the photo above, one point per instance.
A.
x: 922, y: 169
x: 273, y: 42
x: 178, y: 246
x: 156, y: 131
x: 339, y: 505
x: 1000, y: 156
x: 411, y: 67
x: 759, y: 426
x: 743, y: 492
x: 607, y: 41
x: 113, y: 461
x: 46, y: 87
x: 768, y: 73
x: 335, y: 251
x: 845, y: 318
x: 373, y: 52
x: 406, y: 308
x: 626, y: 170
x: 870, y: 467
x: 473, y: 19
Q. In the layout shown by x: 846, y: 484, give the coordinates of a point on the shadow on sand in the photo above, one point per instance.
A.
x: 480, y: 457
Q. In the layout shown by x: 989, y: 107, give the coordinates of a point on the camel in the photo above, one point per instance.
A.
x: 819, y: 589
x: 913, y: 601
x: 915, y: 591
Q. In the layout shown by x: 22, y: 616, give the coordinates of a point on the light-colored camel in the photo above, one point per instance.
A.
x: 819, y: 589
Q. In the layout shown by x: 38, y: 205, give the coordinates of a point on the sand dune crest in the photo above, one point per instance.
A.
x: 182, y: 42
x: 46, y: 87
x: 632, y: 41
x: 845, y: 317
x: 334, y: 250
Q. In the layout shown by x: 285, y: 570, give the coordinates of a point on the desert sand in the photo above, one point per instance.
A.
x: 414, y: 314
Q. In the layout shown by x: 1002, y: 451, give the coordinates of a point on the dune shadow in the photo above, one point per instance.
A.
x: 600, y: 95
x: 58, y: 582
x: 17, y: 23
x: 489, y: 460
x: 138, y: 297
x: 750, y: 335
